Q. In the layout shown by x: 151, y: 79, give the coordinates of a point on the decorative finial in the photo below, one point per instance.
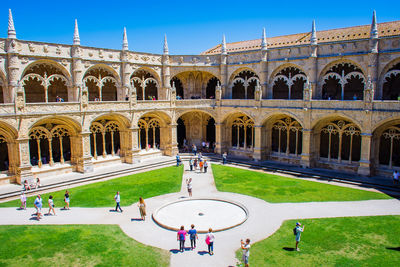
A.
x: 77, y: 40
x: 125, y: 41
x: 166, y: 50
x: 223, y: 46
x: 264, y: 40
x: 374, y: 26
x: 313, y: 39
x: 11, y: 29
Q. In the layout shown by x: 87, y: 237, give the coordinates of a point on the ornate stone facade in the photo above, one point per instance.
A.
x: 325, y: 100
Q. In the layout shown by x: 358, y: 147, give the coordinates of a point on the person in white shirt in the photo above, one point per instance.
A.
x: 118, y: 200
x: 210, y: 241
x: 246, y: 251
x: 189, y: 186
x: 23, y: 201
x: 51, y: 206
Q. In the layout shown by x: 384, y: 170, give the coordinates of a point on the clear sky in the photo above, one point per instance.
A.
x: 191, y: 26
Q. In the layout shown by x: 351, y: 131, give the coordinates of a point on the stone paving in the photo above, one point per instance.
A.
x: 263, y: 220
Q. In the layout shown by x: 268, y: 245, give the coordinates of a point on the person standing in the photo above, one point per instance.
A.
x: 205, y: 165
x: 38, y: 206
x: 224, y: 156
x: 181, y: 237
x: 142, y: 208
x: 194, y: 149
x: 193, y: 236
x: 395, y: 177
x: 66, y: 200
x: 178, y: 160
x: 117, y: 198
x: 51, y: 205
x: 191, y: 163
x: 189, y: 186
x: 23, y: 201
x: 210, y: 241
x: 297, y: 231
x: 201, y: 165
x: 195, y: 164
x: 246, y: 251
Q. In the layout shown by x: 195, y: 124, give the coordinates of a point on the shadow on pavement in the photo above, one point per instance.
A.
x: 203, y: 252
x: 175, y: 251
x: 136, y: 219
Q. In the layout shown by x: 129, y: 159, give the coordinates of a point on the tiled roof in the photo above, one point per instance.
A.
x: 335, y: 35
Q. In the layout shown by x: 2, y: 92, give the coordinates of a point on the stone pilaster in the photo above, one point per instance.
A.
x: 257, y: 154
x: 166, y: 78
x: 218, y: 139
x: 306, y: 155
x: 365, y: 159
x: 24, y: 170
x: 82, y: 145
x: 13, y: 70
x: 77, y: 73
x: 132, y: 150
x: 226, y: 91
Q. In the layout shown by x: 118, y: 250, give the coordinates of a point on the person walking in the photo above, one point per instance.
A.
x: 66, y: 200
x: 194, y: 149
x: 396, y: 177
x: 51, y: 205
x: 189, y: 186
x: 210, y: 241
x: 191, y: 163
x: 246, y: 251
x: 193, y: 236
x: 142, y: 208
x: 38, y: 206
x: 224, y: 156
x: 117, y: 198
x: 178, y: 160
x: 181, y: 237
x: 297, y: 231
x: 205, y: 165
x: 195, y: 164
x: 201, y: 165
x: 23, y: 201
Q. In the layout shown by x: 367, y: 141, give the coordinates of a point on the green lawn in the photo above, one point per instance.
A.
x: 101, y: 194
x: 275, y: 188
x: 354, y: 241
x: 75, y: 245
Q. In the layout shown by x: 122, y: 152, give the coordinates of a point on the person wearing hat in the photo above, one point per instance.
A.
x: 299, y: 230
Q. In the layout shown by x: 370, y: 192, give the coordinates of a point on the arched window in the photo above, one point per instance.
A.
x: 244, y: 84
x: 4, y: 160
x: 101, y: 84
x: 44, y: 83
x: 105, y: 138
x: 243, y: 133
x: 287, y: 136
x: 210, y: 90
x: 391, y: 84
x: 344, y: 81
x: 146, y: 85
x: 178, y: 87
x: 289, y: 84
x: 149, y: 133
x: 389, y: 147
x: 1, y: 92
x: 340, y: 140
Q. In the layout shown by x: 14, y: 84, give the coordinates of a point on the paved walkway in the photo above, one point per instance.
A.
x: 264, y: 219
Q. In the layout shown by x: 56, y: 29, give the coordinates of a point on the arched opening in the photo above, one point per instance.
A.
x: 178, y: 87
x: 181, y: 134
x: 244, y: 84
x: 211, y: 85
x: 105, y: 138
x: 4, y: 160
x: 45, y: 83
x: 391, y: 84
x: 193, y: 84
x: 149, y: 133
x: 286, y: 137
x: 101, y: 84
x: 242, y: 133
x: 146, y: 85
x: 343, y: 81
x: 289, y: 83
x: 389, y: 147
x: 1, y: 93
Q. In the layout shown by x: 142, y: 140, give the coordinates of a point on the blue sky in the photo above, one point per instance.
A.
x: 191, y: 26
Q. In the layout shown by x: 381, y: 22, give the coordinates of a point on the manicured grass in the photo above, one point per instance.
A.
x: 75, y: 245
x: 101, y: 194
x: 354, y: 241
x: 275, y: 188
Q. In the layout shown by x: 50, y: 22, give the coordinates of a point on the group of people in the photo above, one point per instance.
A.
x: 59, y: 99
x: 198, y: 163
x: 38, y: 203
x: 192, y: 233
x: 141, y: 204
x: 34, y: 185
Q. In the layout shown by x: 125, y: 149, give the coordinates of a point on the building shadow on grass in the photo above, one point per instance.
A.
x: 203, y: 252
x: 398, y: 248
x: 288, y: 249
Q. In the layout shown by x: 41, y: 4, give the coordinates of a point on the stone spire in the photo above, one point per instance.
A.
x: 374, y: 27
x: 166, y: 50
x: 223, y: 45
x: 77, y: 40
x: 125, y: 41
x: 264, y: 40
x: 313, y: 39
x: 11, y: 29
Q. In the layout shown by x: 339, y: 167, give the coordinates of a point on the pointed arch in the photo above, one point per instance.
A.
x: 102, y: 82
x: 146, y: 84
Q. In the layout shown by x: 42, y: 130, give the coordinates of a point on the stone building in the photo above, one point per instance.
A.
x: 326, y: 99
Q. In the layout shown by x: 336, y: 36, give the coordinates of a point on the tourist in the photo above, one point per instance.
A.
x: 355, y: 97
x: 297, y: 231
x: 191, y: 163
x: 117, y: 199
x: 126, y: 98
x: 66, y: 200
x: 195, y: 164
x: 396, y: 177
x: 210, y: 241
x: 224, y: 156
x: 51, y: 205
x: 201, y: 165
x: 246, y: 251
x: 181, y: 237
x: 200, y: 156
x: 189, y: 186
x: 194, y: 149
x: 203, y: 144
x: 38, y: 206
x: 205, y: 165
x: 26, y: 185
x: 142, y: 208
x: 23, y: 201
x: 178, y: 160
x: 36, y: 184
x: 193, y: 236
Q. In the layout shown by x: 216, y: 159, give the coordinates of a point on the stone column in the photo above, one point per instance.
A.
x: 166, y: 79
x: 306, y: 155
x: 132, y: 150
x: 77, y: 73
x: 264, y: 74
x: 226, y: 93
x: 365, y: 159
x: 218, y: 139
x: 168, y: 139
x: 257, y: 154
x: 25, y: 168
x: 13, y: 70
x: 82, y: 145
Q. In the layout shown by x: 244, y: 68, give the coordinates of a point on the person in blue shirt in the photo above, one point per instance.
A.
x: 299, y: 230
x: 178, y: 160
x: 193, y: 236
x: 38, y: 205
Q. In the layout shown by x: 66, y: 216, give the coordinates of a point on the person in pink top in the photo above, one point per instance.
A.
x: 181, y: 237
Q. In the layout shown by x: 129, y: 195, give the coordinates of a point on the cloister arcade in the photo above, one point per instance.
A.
x: 391, y: 83
x: 105, y: 138
x: 289, y: 83
x: 101, y: 84
x: 244, y: 84
x: 195, y: 84
x: 146, y: 85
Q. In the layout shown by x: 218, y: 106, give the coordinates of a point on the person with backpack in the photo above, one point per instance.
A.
x: 193, y: 236
x: 297, y: 233
x: 181, y: 237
